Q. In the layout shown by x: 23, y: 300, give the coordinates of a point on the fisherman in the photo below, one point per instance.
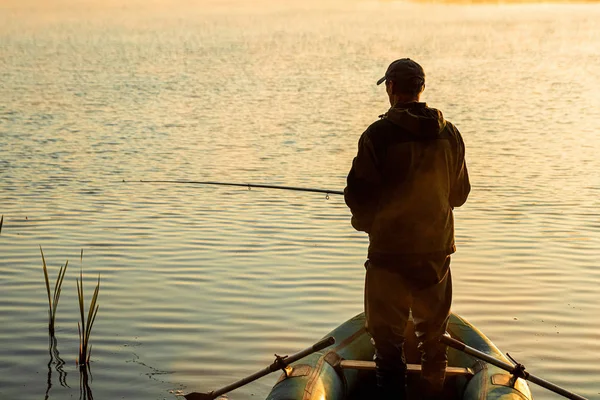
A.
x: 406, y: 179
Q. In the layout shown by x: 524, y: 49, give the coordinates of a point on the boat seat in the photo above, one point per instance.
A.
x: 411, y: 368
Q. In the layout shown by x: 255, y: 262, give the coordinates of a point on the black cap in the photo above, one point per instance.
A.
x: 403, y: 70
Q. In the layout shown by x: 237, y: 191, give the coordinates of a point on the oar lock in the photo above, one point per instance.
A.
x: 280, y: 363
x: 518, y: 370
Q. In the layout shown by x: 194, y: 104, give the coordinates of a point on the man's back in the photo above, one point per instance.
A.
x: 407, y: 177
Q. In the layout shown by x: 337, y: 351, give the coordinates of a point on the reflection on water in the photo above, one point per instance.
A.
x: 58, y: 365
x: 202, y: 285
x: 85, y: 377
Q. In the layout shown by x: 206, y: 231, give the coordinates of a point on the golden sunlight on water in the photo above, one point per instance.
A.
x: 201, y: 285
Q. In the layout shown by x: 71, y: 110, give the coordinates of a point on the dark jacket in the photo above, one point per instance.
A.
x: 408, y: 175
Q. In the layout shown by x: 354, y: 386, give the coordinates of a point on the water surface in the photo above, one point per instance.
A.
x: 201, y: 285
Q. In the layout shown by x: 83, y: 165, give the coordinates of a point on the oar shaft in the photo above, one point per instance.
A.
x: 447, y: 340
x: 278, y: 364
x: 458, y: 345
x: 241, y: 382
x: 555, y: 388
x: 248, y: 185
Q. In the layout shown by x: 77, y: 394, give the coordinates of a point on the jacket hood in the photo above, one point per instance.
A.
x: 418, y: 119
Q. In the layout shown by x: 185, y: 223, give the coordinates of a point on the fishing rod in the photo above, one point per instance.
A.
x: 247, y: 185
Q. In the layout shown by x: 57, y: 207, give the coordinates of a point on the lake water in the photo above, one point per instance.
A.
x: 201, y: 285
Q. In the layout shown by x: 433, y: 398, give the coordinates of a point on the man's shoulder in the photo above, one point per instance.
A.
x: 450, y: 126
x: 380, y: 125
x: 452, y: 130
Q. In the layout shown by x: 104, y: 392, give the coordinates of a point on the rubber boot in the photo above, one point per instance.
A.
x: 433, y: 375
x: 391, y: 384
x: 390, y: 368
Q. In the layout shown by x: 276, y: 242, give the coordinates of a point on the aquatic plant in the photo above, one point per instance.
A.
x: 85, y: 327
x: 53, y: 299
x: 1, y: 222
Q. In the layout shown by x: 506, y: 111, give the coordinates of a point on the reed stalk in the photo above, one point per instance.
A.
x: 55, y: 297
x: 84, y: 327
x: 1, y: 222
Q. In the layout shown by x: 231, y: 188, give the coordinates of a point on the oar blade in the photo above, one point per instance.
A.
x: 199, y: 396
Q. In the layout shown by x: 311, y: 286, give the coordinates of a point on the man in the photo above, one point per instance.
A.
x: 406, y: 179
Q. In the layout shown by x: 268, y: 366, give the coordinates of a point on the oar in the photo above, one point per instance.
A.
x: 246, y: 185
x: 279, y: 363
x: 517, y: 370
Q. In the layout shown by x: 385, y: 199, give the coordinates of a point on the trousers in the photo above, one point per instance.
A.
x: 393, y: 291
